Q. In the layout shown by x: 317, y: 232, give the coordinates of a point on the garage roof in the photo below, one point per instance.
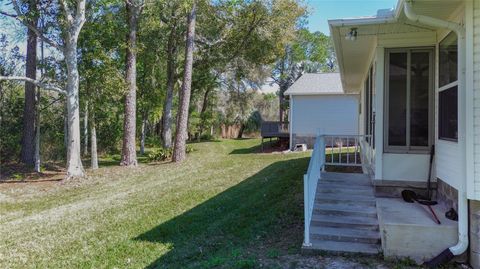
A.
x: 316, y: 84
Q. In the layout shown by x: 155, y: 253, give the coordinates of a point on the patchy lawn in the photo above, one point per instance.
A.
x: 226, y: 206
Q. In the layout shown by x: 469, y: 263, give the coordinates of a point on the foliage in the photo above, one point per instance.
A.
x: 163, y: 154
x: 160, y: 154
x: 235, y: 46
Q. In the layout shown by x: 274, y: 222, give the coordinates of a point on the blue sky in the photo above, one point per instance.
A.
x: 323, y: 10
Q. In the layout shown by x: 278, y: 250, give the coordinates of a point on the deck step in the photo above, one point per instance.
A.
x: 324, y: 185
x: 352, y: 199
x: 333, y: 189
x: 336, y: 246
x: 344, y: 215
x: 350, y: 179
x: 350, y: 176
x: 367, y: 223
x: 345, y: 234
x: 345, y: 209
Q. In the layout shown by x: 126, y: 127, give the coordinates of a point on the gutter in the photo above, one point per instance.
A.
x: 462, y: 244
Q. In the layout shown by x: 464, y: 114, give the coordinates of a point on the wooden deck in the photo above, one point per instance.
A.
x: 275, y: 129
x: 271, y: 129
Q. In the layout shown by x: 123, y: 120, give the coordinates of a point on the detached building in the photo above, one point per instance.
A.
x: 318, y: 104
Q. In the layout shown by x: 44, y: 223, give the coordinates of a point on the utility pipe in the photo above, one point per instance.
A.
x: 462, y: 244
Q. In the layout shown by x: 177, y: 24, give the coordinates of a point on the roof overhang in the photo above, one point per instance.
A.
x: 354, y: 57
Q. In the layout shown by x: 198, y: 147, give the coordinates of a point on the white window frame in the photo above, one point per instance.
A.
x: 408, y: 149
x: 443, y: 88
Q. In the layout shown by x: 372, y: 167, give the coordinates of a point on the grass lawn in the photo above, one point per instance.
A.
x: 226, y: 206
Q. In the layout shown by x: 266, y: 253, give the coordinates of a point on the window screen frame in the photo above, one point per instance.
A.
x: 409, y: 149
x: 445, y: 87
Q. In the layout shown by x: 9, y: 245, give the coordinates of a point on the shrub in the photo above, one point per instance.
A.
x: 163, y: 154
x: 160, y: 154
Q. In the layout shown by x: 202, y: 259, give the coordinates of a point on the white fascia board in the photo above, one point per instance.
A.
x: 320, y: 94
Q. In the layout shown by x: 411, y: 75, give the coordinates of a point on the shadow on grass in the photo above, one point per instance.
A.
x: 217, y: 231
x: 268, y: 147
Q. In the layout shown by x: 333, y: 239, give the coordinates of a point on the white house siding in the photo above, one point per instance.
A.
x: 448, y: 159
x: 476, y: 89
x: 327, y: 114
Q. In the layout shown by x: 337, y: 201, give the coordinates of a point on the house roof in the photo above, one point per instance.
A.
x: 316, y: 84
x: 354, y: 57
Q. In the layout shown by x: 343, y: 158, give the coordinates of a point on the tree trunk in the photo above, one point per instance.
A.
x: 142, y: 135
x: 240, y: 132
x: 85, y: 130
x: 28, y: 134
x: 202, y: 113
x: 167, y: 108
x: 179, y: 153
x: 93, y: 146
x: 129, y: 154
x: 37, y: 135
x: 74, y: 161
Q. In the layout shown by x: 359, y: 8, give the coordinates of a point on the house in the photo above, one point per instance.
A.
x: 416, y: 69
x: 319, y: 104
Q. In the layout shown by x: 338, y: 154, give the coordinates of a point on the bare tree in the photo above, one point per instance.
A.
x: 74, y: 20
x: 129, y: 154
x: 179, y: 153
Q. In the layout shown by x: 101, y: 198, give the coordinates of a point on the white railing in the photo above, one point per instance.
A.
x: 310, y: 181
x: 351, y: 150
x: 348, y: 150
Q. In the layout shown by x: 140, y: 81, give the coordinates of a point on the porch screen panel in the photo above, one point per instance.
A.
x: 397, y: 113
x: 419, y: 98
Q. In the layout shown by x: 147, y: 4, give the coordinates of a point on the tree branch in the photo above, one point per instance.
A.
x: 68, y: 12
x: 37, y: 83
x: 31, y: 27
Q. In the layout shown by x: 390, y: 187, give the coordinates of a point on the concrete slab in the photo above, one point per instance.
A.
x: 408, y: 230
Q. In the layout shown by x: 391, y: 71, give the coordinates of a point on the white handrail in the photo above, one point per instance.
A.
x: 310, y: 182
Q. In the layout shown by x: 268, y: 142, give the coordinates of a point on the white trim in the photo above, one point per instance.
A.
x: 290, y: 125
x: 317, y: 93
x: 469, y: 105
x: 379, y: 94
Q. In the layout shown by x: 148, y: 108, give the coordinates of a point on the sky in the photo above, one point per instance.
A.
x: 323, y: 10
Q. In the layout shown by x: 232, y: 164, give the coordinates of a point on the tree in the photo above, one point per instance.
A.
x: 179, y: 153
x: 308, y: 52
x: 29, y: 111
x: 73, y: 21
x: 129, y: 153
x: 171, y: 50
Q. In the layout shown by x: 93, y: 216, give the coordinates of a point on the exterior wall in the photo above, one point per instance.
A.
x: 405, y: 167
x: 473, y: 80
x: 326, y: 114
x: 475, y: 234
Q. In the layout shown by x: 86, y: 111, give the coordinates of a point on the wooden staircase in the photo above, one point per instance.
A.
x: 345, y: 215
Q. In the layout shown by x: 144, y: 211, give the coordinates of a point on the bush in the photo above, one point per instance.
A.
x: 207, y: 137
x: 158, y: 155
x: 162, y: 154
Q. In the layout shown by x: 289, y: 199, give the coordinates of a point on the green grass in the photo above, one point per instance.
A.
x: 227, y: 206
x: 224, y: 206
